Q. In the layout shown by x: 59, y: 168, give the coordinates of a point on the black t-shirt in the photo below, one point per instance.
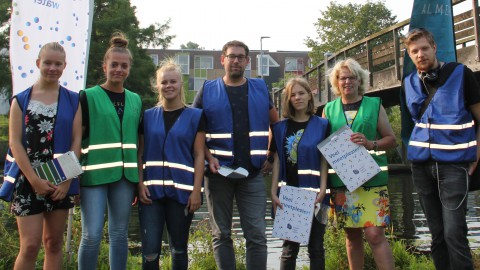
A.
x: 293, y: 135
x: 118, y: 102
x: 238, y: 97
x: 169, y: 118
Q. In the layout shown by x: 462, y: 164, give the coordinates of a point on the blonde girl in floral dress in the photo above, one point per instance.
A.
x: 45, y: 120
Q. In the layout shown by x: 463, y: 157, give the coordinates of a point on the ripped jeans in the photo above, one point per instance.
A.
x: 153, y: 217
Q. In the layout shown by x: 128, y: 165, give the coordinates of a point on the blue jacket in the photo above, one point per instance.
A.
x: 168, y: 160
x: 446, y: 131
x: 62, y: 139
x: 220, y: 122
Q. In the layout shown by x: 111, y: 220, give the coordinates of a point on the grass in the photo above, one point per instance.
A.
x: 201, y: 250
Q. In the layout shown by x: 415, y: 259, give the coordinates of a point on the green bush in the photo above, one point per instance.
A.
x: 405, y: 257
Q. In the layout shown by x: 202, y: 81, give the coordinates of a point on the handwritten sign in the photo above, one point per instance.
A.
x: 294, y: 221
x: 352, y: 162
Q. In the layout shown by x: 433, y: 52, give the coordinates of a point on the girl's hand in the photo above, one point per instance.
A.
x: 144, y: 194
x: 275, y: 203
x: 194, y: 201
x: 42, y: 187
x: 61, y: 192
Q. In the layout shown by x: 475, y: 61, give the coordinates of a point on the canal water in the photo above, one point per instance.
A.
x: 407, y: 218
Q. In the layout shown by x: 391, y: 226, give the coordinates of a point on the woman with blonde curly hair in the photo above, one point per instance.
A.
x: 366, y: 209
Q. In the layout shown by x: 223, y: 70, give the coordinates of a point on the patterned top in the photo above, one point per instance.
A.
x: 39, y: 124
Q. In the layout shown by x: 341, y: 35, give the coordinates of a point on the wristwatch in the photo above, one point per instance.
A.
x: 375, y: 146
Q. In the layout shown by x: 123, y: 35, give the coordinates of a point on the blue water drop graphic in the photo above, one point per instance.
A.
x: 19, y: 67
x: 31, y: 71
x: 36, y: 19
x: 24, y: 75
x: 40, y: 27
x: 69, y: 38
x: 27, y: 23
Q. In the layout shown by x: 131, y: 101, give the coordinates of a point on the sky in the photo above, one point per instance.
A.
x: 211, y: 23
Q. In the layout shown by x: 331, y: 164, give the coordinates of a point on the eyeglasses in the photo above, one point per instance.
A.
x: 232, y: 57
x: 344, y: 79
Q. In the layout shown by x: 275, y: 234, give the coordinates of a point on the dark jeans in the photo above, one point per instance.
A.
x: 316, y: 250
x: 152, y: 219
x: 443, y: 190
x: 251, y: 200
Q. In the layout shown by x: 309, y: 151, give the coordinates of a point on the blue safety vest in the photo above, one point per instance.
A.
x: 62, y: 139
x: 216, y: 106
x: 446, y: 131
x: 168, y: 160
x: 308, y: 158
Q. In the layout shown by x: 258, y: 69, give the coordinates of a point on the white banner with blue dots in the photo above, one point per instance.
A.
x: 37, y: 22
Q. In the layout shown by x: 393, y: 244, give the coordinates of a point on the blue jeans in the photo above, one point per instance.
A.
x: 152, y: 219
x: 316, y: 251
x: 251, y: 198
x: 119, y: 197
x: 443, y: 190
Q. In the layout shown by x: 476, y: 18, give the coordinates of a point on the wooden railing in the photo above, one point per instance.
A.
x: 383, y: 52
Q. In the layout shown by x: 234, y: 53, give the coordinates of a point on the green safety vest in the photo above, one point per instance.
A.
x: 365, y: 122
x: 110, y: 150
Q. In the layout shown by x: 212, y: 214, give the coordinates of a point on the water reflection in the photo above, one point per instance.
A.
x: 408, y: 220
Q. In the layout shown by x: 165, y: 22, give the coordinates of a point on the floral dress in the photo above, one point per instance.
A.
x: 39, y: 127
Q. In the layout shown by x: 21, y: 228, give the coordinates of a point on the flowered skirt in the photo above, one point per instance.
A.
x: 25, y: 202
x: 364, y: 207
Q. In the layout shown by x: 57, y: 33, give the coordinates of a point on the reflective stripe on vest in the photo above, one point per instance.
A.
x: 109, y: 145
x: 168, y: 164
x: 169, y: 183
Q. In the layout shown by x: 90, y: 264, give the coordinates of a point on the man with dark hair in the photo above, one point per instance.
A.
x: 238, y: 113
x: 444, y: 100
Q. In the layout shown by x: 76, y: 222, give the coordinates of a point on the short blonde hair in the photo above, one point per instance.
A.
x: 168, y: 64
x: 288, y: 110
x: 356, y: 70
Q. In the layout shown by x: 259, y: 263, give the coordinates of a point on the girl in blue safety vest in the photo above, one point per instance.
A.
x: 299, y: 163
x: 171, y: 153
x: 45, y: 121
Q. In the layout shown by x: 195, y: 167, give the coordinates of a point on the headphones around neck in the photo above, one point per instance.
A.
x: 431, y: 75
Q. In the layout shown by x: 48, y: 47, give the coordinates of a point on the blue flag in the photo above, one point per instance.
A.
x: 437, y: 17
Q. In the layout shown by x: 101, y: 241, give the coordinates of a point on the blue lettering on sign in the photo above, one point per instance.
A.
x: 47, y: 3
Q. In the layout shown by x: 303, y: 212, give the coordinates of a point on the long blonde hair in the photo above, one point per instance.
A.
x: 288, y: 110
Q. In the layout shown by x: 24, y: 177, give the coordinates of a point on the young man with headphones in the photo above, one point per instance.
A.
x: 444, y: 101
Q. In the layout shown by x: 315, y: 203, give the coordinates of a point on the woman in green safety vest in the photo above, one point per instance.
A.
x: 366, y: 209
x: 109, y: 158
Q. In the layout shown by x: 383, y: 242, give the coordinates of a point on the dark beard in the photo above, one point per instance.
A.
x: 236, y: 75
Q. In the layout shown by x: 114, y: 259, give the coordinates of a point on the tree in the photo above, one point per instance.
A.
x: 190, y: 46
x: 118, y: 15
x: 5, y: 72
x: 341, y: 25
